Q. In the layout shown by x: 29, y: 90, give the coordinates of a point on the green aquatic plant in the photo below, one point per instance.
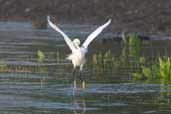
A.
x: 130, y: 51
x: 124, y: 39
x: 124, y: 50
x: 109, y: 61
x: 58, y: 55
x: 50, y: 55
x: 129, y: 58
x: 134, y: 46
x: 2, y: 63
x: 40, y: 56
x: 165, y: 68
x: 3, y: 66
x: 22, y: 69
x: 160, y: 70
x: 103, y: 63
x: 138, y: 74
x: 134, y: 40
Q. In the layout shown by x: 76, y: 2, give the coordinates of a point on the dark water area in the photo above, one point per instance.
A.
x: 35, y: 77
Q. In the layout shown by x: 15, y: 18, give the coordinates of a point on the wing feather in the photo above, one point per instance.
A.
x: 94, y: 34
x: 66, y: 38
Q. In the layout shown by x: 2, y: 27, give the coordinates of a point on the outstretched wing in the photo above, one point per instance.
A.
x: 66, y: 38
x: 93, y: 35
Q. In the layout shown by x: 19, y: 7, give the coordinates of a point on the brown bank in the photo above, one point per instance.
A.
x: 145, y: 16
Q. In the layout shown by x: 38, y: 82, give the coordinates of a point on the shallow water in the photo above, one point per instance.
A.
x: 32, y: 85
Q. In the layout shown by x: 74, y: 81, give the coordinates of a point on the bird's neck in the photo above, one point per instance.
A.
x: 77, y: 46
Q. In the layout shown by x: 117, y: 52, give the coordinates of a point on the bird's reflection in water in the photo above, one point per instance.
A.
x: 78, y: 100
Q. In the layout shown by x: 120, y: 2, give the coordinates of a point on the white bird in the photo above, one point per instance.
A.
x: 78, y: 52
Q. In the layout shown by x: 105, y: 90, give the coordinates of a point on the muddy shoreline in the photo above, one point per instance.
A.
x: 148, y: 16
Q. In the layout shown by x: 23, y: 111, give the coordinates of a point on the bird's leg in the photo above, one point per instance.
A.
x: 74, y: 73
x: 80, y: 74
x: 81, y: 67
x: 83, y: 83
x: 75, y: 82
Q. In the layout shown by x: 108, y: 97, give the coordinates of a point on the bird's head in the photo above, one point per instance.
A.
x: 76, y: 42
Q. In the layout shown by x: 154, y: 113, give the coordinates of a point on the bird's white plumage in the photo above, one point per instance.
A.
x: 78, y: 53
x: 66, y: 38
x: 94, y: 34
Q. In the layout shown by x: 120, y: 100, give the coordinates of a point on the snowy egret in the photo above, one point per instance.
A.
x: 78, y: 52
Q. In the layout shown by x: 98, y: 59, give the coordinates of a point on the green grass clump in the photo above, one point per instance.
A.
x: 161, y: 69
x: 40, y: 56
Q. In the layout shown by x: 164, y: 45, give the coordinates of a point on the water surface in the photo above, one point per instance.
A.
x: 30, y: 84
